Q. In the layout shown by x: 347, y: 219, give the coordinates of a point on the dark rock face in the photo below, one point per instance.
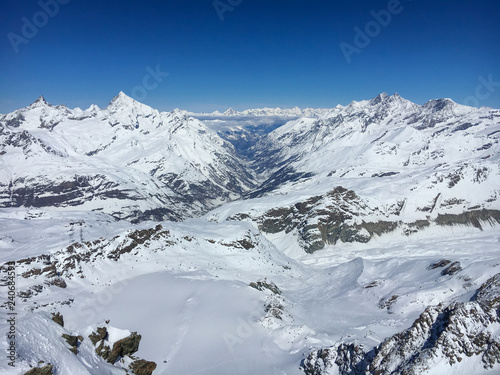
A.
x: 387, y: 303
x: 452, y: 269
x: 59, y: 282
x: 121, y: 348
x: 338, y: 216
x: 274, y: 305
x: 462, y: 329
x: 143, y: 367
x: 323, y: 220
x: 101, y: 334
x: 441, y: 263
x: 73, y: 341
x: 58, y: 318
x: 474, y: 218
x: 349, y: 358
x: 45, y: 370
x: 488, y: 296
x: 327, y: 219
x: 40, y: 192
x: 265, y: 284
x: 98, y: 339
x: 126, y: 346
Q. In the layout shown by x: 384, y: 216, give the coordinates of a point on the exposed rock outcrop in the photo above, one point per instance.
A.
x: 265, y: 284
x: 124, y: 347
x: 73, y: 341
x: 142, y: 367
x: 453, y: 332
x: 58, y: 318
x: 45, y: 370
x: 342, y: 216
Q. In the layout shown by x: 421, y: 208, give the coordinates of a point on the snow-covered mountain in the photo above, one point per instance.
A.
x: 127, y: 160
x: 361, y: 241
x: 255, y: 112
x: 386, y: 132
x: 375, y: 167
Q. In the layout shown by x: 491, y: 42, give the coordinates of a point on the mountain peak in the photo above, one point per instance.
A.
x: 40, y: 102
x: 436, y: 105
x: 179, y: 112
x: 379, y: 98
x: 121, y: 99
x: 124, y: 102
x: 93, y: 108
x: 230, y: 112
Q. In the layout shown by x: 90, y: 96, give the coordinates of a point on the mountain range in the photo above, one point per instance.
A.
x: 284, y: 112
x: 361, y: 239
x: 127, y: 160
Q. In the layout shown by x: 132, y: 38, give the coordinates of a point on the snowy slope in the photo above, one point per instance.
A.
x: 220, y: 298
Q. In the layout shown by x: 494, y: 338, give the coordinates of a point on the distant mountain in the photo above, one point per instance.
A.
x: 284, y: 112
x: 127, y: 160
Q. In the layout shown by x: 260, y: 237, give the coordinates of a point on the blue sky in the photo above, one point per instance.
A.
x: 262, y: 53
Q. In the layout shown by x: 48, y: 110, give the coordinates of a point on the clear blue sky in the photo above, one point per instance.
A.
x: 264, y: 53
